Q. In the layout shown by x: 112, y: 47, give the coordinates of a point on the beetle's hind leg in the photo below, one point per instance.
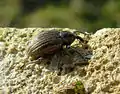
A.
x: 39, y: 60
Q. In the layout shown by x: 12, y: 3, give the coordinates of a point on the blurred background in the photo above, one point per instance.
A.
x: 90, y: 15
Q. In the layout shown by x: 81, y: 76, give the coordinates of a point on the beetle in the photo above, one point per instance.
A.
x: 49, y: 42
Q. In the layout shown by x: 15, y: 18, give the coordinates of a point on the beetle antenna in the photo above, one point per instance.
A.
x: 82, y: 41
x: 77, y: 37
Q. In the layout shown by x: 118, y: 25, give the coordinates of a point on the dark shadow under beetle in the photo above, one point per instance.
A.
x: 66, y: 60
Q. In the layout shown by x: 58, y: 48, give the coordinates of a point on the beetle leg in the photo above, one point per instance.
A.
x: 77, y: 52
x: 39, y: 60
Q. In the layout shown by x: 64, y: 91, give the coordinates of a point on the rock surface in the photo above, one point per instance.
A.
x: 17, y: 76
x: 103, y: 72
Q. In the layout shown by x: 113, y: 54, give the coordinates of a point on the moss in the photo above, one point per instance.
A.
x: 79, y: 87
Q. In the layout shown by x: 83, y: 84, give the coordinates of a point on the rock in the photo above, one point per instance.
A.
x: 100, y: 76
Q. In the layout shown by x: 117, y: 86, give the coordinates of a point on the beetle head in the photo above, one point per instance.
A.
x: 67, y: 37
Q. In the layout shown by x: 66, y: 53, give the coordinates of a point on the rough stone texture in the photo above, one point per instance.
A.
x: 103, y: 72
x: 17, y: 76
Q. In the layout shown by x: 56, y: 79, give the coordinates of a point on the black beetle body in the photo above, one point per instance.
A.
x: 49, y: 42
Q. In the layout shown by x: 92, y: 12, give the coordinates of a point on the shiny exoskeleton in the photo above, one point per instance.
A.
x: 49, y: 42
